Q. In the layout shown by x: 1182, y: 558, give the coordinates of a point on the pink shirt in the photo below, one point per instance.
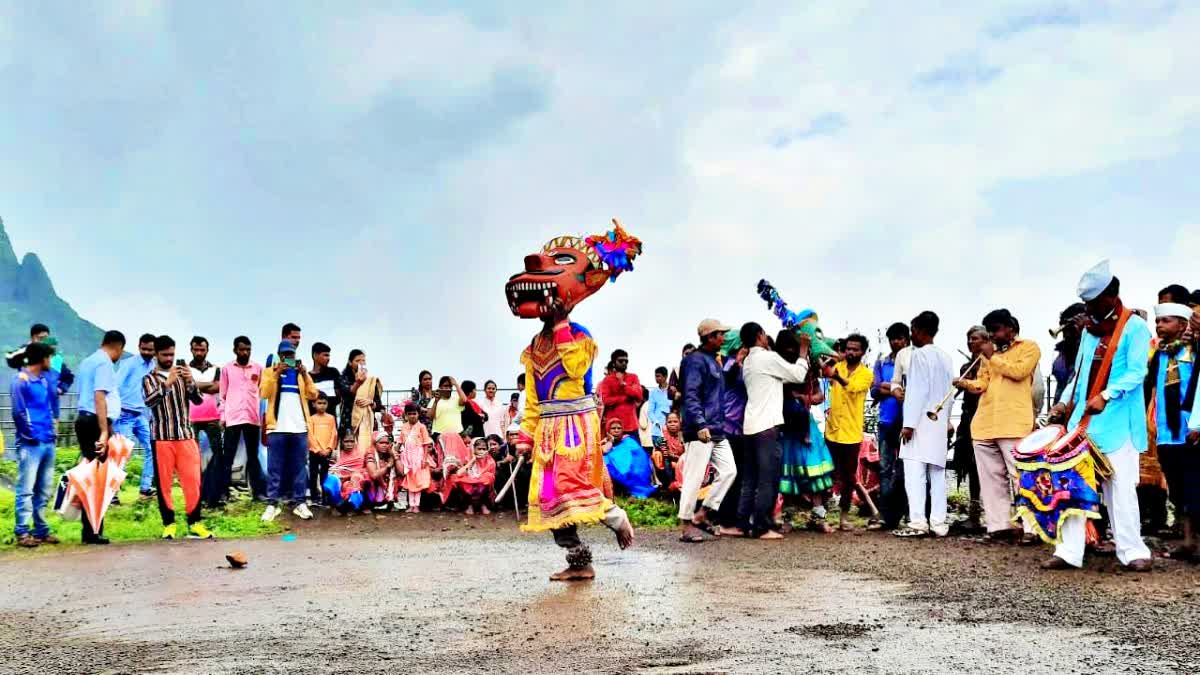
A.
x: 239, y: 392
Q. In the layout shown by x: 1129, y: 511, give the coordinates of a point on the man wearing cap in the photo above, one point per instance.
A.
x: 1171, y: 385
x: 703, y: 386
x: 287, y: 389
x: 1106, y: 396
x: 1004, y: 382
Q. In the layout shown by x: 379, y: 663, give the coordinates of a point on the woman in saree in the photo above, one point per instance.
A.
x: 422, y: 395
x: 345, y: 486
x: 364, y: 394
x: 668, y: 450
x: 455, y: 455
x: 477, y: 480
x: 416, y: 456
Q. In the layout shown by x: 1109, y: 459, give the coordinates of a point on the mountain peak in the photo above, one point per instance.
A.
x: 33, y: 283
x: 8, y: 260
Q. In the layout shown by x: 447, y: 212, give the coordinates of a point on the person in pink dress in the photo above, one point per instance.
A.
x: 477, y: 479
x: 416, y: 456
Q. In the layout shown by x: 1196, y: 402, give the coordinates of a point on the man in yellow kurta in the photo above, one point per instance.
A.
x: 1003, y: 418
x: 560, y: 427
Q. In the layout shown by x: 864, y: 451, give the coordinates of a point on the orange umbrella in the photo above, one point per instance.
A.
x: 94, y: 483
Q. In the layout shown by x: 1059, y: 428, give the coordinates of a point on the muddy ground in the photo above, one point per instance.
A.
x: 437, y: 594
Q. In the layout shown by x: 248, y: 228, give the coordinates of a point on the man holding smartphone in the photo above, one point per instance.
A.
x: 168, y: 391
x: 287, y: 389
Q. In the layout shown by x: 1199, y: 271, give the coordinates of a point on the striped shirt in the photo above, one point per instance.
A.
x: 171, y: 420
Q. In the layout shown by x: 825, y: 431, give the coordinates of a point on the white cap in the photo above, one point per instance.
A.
x: 1094, y: 281
x: 513, y: 429
x: 1172, y: 309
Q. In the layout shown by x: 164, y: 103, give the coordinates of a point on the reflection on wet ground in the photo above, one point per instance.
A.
x: 480, y: 602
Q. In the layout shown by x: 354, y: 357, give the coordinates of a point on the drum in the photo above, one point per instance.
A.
x: 1058, y: 480
x: 1037, y: 443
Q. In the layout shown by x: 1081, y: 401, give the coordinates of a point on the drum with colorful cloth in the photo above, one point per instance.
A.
x: 1059, y: 476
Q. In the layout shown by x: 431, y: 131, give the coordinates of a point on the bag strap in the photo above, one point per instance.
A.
x: 1101, y: 381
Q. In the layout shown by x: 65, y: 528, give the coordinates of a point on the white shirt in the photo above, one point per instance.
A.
x: 765, y: 373
x: 930, y: 372
x: 290, y: 419
x: 495, y: 409
x: 903, y: 361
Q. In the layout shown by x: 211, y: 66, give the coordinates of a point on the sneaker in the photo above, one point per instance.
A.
x: 940, y: 530
x: 169, y: 531
x: 27, y: 541
x: 380, y: 507
x: 302, y: 512
x: 270, y: 513
x: 48, y: 539
x: 199, y: 531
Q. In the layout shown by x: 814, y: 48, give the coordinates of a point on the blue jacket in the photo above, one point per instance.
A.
x: 703, y: 386
x: 1123, y: 421
x: 34, y: 407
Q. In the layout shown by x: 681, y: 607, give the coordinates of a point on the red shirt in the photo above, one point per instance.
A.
x: 621, y: 401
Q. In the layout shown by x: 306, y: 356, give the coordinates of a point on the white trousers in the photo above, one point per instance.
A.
x: 1120, y: 496
x: 695, y: 463
x: 917, y: 475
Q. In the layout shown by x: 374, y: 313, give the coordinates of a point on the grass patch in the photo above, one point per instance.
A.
x: 134, y: 519
x: 650, y: 512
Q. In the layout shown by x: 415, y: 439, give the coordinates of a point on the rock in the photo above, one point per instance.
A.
x: 237, y: 560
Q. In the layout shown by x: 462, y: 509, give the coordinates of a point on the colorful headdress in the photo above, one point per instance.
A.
x: 804, y: 321
x: 612, y: 252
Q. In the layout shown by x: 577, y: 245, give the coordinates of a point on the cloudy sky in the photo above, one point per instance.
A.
x: 375, y: 172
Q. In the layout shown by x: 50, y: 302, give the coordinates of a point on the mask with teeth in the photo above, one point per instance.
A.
x: 569, y: 269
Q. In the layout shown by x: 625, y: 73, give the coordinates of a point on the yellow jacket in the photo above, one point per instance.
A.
x: 268, y: 389
x: 1006, y: 383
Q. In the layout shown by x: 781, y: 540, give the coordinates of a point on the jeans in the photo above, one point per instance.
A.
x: 318, y: 469
x: 760, y: 482
x: 287, y: 467
x: 136, y: 426
x: 893, y: 502
x: 35, y: 486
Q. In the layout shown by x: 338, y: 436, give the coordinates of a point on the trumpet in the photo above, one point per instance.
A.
x: 1057, y: 332
x: 933, y: 414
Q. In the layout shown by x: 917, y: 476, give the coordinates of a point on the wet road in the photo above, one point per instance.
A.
x: 432, y: 594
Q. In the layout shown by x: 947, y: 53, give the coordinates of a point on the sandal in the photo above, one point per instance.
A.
x: 707, y: 527
x: 874, y: 525
x: 692, y: 538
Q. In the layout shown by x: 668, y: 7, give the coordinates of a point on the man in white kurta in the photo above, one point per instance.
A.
x: 924, y: 442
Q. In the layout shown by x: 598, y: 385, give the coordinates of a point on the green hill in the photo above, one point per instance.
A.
x: 27, y: 296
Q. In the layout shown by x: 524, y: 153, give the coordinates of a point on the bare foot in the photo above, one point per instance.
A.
x: 822, y: 527
x: 470, y: 510
x: 770, y: 535
x: 732, y: 532
x: 572, y: 574
x: 624, y: 534
x: 845, y: 526
x: 485, y: 511
x: 415, y: 509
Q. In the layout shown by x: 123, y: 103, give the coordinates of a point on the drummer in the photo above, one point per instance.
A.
x: 1107, y: 395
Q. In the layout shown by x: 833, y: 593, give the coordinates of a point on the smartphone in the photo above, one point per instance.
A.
x: 290, y: 363
x: 180, y: 362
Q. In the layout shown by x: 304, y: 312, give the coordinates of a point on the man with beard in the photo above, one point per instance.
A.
x: 849, y: 382
x: 168, y: 391
x: 621, y: 394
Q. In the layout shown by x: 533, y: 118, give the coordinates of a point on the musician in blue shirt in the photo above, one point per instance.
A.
x: 1114, y: 408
